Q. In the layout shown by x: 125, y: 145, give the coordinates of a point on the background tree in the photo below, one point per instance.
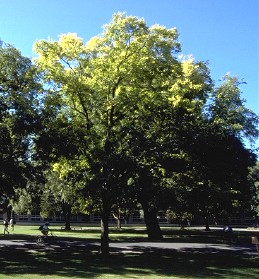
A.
x: 254, y: 180
x: 218, y: 159
x: 227, y: 110
x: 62, y: 186
x: 18, y: 118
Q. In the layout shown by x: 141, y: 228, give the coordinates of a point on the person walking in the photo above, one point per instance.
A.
x: 6, y: 226
x: 11, y: 223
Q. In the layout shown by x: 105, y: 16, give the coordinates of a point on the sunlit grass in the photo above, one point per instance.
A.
x: 85, y: 232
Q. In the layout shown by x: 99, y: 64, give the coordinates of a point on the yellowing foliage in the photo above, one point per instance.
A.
x: 185, y: 90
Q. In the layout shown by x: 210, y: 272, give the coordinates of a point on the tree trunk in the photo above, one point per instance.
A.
x: 67, y: 222
x: 119, y: 223
x: 152, y: 225
x: 206, y: 221
x: 146, y: 199
x: 117, y: 217
x: 118, y: 220
x: 104, y: 250
x: 66, y: 207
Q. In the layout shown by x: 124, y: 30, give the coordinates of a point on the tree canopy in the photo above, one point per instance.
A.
x: 125, y: 118
x: 18, y: 118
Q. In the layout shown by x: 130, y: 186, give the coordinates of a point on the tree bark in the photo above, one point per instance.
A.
x: 148, y: 193
x: 152, y: 225
x: 104, y: 249
x: 206, y: 221
x: 67, y: 215
x: 119, y: 223
x: 117, y: 217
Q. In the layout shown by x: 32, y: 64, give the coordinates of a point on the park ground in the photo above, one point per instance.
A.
x: 188, y: 253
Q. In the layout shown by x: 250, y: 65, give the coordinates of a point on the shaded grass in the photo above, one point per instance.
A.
x: 71, y: 259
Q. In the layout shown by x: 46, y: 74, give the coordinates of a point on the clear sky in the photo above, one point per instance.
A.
x: 223, y: 32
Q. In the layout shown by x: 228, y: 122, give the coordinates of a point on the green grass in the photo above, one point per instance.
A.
x: 76, y: 261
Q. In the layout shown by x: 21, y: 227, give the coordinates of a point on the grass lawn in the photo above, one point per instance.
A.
x: 69, y: 258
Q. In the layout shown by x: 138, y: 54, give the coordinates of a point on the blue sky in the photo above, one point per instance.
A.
x: 224, y: 32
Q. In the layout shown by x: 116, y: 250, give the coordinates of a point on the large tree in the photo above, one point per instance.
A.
x: 130, y: 110
x: 106, y: 85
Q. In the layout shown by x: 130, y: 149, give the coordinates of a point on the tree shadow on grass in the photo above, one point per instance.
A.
x: 77, y: 259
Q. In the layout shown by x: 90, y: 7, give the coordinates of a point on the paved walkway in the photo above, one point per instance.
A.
x: 140, y: 247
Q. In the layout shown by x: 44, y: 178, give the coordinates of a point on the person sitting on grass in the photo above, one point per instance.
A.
x: 227, y: 229
x: 44, y: 229
x: 228, y: 233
